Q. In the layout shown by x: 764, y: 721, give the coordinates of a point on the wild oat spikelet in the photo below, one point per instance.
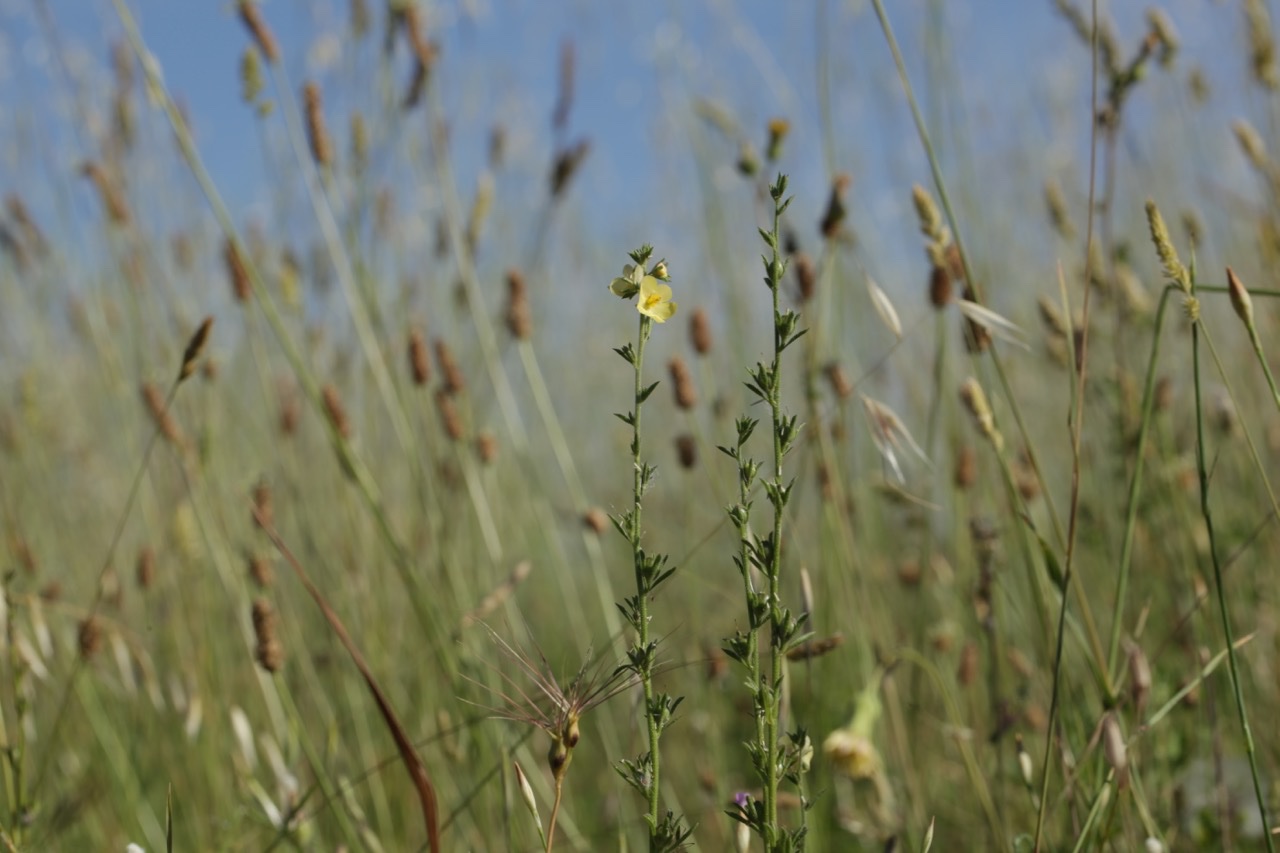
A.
x: 260, y: 571
x: 454, y: 383
x: 835, y: 213
x: 236, y: 272
x: 686, y: 395
x: 1251, y: 144
x: 939, y: 286
x: 359, y: 144
x: 806, y: 276
x: 1113, y: 747
x: 251, y: 17
x: 966, y: 470
x: 317, y: 132
x: 596, y: 520
x: 419, y: 361
x: 264, y: 505
x: 423, y: 49
x: 1262, y: 45
x: 268, y: 652
x: 815, y: 648
x: 112, y: 198
x: 251, y: 82
x: 686, y: 451
x: 1059, y: 216
x: 967, y: 671
x: 975, y: 400
x: 145, y: 571
x: 486, y: 447
x: 449, y: 416
x: 158, y: 408
x: 700, y: 331
x: 840, y: 384
x: 290, y: 410
x: 21, y: 216
x: 927, y: 215
x: 519, y: 317
x: 195, y: 346
x: 89, y: 637
x: 566, y: 165
x: 1051, y: 316
x: 1139, y: 676
x: 336, y: 411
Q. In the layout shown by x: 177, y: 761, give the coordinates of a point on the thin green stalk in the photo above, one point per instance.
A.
x: 1232, y: 665
x: 638, y: 561
x: 666, y: 832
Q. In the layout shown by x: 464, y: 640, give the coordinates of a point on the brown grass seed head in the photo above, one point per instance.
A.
x: 251, y: 17
x: 317, y: 131
x: 419, y: 360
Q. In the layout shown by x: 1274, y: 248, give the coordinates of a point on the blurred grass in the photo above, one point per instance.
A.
x: 938, y: 587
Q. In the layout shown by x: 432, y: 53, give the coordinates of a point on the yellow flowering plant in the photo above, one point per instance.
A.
x: 667, y: 832
x: 655, y: 296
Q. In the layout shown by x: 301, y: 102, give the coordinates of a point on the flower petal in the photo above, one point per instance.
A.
x: 659, y: 311
x: 624, y: 288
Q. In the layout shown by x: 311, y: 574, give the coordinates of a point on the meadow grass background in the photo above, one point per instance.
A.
x: 134, y: 695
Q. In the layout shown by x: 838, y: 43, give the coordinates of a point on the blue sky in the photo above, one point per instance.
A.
x: 1006, y: 86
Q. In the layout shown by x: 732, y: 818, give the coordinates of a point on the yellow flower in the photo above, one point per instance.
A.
x: 655, y: 300
x: 852, y: 754
x: 629, y: 284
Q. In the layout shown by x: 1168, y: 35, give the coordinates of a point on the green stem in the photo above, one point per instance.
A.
x: 1233, y: 666
x: 642, y: 594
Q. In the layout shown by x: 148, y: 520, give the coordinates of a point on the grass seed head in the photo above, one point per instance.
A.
x: 700, y: 331
x: 336, y: 411
x: 268, y: 651
x: 317, y: 132
x: 419, y: 361
x: 251, y: 17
